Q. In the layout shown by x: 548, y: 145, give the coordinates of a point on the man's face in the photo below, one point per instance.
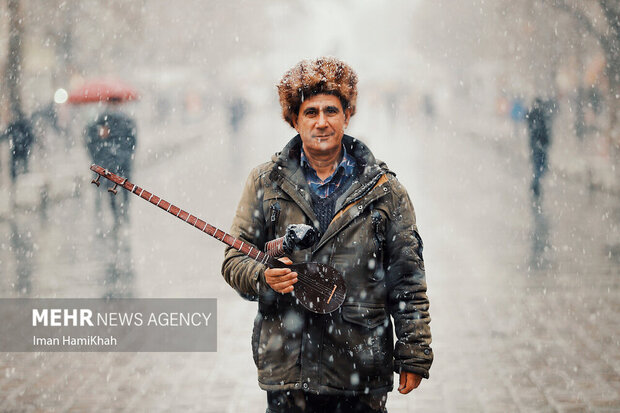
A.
x: 321, y: 122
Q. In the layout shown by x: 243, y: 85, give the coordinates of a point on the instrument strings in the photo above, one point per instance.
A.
x: 318, y: 287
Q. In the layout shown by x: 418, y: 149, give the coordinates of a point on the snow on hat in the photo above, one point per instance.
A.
x: 307, y: 78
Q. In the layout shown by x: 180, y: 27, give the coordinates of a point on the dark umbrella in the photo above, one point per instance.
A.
x: 103, y: 90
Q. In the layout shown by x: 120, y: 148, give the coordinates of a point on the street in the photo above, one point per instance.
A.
x: 525, y: 302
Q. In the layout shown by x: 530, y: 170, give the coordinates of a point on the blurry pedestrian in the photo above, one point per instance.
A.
x: 46, y: 117
x: 517, y: 114
x: 21, y: 137
x: 517, y: 110
x: 539, y: 124
x: 580, y: 120
x: 428, y: 105
x: 162, y: 109
x: 237, y: 109
x: 51, y: 135
x: 111, y: 143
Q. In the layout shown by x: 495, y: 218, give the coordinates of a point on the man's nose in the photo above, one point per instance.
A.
x: 322, y: 120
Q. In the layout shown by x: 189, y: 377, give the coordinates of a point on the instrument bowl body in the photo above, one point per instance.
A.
x: 319, y: 288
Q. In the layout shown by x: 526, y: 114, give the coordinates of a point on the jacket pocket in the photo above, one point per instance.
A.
x: 365, y: 315
x: 375, y: 344
x: 357, y: 351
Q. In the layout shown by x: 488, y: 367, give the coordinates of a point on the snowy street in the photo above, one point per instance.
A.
x: 525, y: 305
x: 500, y: 118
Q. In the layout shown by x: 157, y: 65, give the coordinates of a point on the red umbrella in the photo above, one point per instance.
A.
x: 103, y: 90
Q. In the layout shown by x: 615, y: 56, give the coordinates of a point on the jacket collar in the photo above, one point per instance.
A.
x: 287, y: 173
x: 287, y: 161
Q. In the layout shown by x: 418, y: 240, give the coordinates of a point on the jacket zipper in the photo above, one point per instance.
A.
x: 379, y: 239
x: 275, y: 215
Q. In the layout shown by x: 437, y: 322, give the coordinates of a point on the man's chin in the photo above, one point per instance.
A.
x: 323, y: 143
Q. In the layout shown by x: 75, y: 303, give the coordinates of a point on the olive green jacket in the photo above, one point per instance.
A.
x: 373, y: 241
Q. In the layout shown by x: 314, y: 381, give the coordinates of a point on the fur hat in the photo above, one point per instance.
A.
x: 312, y: 77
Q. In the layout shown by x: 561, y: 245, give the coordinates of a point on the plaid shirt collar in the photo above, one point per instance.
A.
x: 324, y: 188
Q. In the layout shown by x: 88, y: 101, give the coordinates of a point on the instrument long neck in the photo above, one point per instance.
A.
x: 248, y: 249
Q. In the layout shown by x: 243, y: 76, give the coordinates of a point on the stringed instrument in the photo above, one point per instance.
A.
x: 320, y: 288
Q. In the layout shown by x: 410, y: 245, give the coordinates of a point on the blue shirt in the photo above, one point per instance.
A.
x: 324, y: 188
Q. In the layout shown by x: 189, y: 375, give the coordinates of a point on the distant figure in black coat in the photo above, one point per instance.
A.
x: 539, y: 124
x: 21, y: 137
x: 111, y: 143
x: 238, y: 109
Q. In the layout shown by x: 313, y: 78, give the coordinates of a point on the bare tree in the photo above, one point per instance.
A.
x: 14, y: 59
x: 601, y: 20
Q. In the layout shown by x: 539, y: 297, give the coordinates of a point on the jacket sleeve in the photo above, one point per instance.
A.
x: 406, y: 282
x: 240, y: 271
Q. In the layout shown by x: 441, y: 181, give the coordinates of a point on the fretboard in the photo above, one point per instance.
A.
x: 246, y: 248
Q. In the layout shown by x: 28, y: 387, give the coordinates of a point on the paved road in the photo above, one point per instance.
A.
x: 525, y: 306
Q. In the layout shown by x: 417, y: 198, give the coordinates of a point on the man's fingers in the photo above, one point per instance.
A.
x: 281, y: 279
x: 280, y: 286
x: 287, y: 279
x: 273, y: 272
x: 408, y: 382
x: 417, y: 381
x: 273, y: 279
x: 285, y: 290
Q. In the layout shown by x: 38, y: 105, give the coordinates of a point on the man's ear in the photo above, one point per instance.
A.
x: 347, y: 117
x: 294, y: 121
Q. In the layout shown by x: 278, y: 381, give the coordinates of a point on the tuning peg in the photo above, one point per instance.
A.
x: 113, y: 189
x: 96, y: 180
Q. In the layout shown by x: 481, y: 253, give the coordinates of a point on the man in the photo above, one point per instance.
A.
x: 539, y: 123
x: 21, y: 138
x: 342, y: 361
x: 111, y: 143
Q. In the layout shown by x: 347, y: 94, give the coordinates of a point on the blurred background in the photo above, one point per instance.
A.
x: 500, y: 118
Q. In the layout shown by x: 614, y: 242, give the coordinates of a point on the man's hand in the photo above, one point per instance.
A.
x: 408, y: 382
x: 281, y: 279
